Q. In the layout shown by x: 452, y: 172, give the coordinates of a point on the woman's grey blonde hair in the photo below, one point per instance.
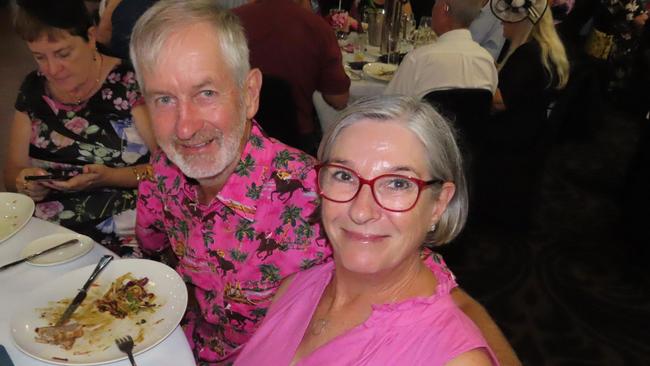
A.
x: 554, y: 57
x: 553, y: 54
x: 443, y: 156
x: 167, y: 17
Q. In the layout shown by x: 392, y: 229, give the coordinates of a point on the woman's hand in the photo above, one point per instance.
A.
x: 36, y: 190
x: 92, y: 176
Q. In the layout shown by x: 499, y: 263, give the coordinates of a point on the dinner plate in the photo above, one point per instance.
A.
x: 61, y: 255
x: 15, y: 211
x: 379, y: 71
x: 164, y: 282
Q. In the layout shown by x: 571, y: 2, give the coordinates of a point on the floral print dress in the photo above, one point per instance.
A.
x: 66, y: 137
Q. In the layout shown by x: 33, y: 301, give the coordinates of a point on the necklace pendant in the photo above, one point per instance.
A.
x: 318, y: 326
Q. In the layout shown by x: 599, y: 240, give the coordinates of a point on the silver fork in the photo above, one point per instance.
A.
x: 125, y: 344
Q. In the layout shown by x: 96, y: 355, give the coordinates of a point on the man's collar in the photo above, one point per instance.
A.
x: 455, y: 35
x: 234, y: 193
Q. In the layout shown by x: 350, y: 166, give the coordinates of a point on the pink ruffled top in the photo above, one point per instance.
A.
x: 419, y: 331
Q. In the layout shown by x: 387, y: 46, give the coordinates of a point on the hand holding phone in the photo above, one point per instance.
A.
x: 55, y: 175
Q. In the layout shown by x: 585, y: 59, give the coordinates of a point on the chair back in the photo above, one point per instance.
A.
x: 467, y: 109
x: 277, y: 113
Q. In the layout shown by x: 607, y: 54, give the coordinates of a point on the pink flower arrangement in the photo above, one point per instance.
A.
x: 339, y: 20
x: 76, y: 125
x: 48, y: 210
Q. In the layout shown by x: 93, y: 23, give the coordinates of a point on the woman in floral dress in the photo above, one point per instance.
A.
x: 80, y: 114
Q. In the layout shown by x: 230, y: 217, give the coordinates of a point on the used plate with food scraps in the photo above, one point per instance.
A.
x: 97, y: 345
x: 15, y: 211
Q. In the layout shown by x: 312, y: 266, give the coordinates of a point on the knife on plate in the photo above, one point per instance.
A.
x: 81, y: 295
x: 32, y: 256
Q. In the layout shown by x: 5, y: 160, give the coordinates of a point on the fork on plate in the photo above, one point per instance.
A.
x: 125, y: 344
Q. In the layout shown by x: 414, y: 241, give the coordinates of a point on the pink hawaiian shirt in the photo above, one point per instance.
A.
x: 235, y: 251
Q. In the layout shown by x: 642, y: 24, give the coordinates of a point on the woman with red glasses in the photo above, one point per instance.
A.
x: 391, y: 184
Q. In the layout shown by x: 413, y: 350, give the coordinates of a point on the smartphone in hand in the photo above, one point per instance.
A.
x: 55, y: 175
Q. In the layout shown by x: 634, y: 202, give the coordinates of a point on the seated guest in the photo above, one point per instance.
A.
x: 117, y: 21
x: 289, y: 43
x: 535, y: 69
x: 234, y: 205
x: 377, y: 303
x: 487, y: 31
x: 453, y: 61
x: 77, y: 114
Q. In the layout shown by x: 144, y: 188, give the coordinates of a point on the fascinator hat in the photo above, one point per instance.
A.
x: 515, y: 11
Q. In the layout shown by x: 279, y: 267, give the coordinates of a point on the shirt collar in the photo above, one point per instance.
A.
x: 233, y: 194
x: 455, y: 35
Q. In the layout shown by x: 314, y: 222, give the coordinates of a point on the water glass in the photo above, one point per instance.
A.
x: 360, y: 44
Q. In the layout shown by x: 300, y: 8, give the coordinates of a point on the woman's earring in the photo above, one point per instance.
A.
x: 433, y: 228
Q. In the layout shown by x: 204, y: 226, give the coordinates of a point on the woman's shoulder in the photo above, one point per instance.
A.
x: 33, y: 81
x: 30, y: 92
x: 526, y: 52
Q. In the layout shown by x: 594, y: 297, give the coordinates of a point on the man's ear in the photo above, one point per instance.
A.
x: 252, y: 88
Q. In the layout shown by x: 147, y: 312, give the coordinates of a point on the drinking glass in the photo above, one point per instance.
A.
x: 360, y: 46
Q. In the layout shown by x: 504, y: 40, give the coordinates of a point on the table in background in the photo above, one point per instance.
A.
x: 19, y: 280
x: 358, y: 89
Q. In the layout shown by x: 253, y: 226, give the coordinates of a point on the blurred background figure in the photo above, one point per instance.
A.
x: 518, y: 138
x: 453, y: 61
x: 297, y: 52
x: 76, y: 116
x: 487, y: 31
x: 116, y: 20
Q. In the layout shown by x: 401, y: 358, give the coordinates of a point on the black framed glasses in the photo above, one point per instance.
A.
x: 393, y: 192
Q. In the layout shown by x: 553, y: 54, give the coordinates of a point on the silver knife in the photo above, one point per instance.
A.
x: 30, y: 257
x: 81, y: 295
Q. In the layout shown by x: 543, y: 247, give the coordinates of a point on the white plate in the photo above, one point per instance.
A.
x: 380, y: 71
x: 15, y: 211
x: 61, y: 255
x: 164, y: 282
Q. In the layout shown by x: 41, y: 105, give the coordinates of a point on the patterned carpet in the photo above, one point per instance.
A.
x: 572, y: 291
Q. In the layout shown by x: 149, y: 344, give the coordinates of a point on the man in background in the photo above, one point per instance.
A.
x: 298, y: 53
x: 453, y: 61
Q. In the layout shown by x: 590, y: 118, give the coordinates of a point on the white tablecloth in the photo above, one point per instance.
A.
x: 17, y: 281
x: 358, y: 88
